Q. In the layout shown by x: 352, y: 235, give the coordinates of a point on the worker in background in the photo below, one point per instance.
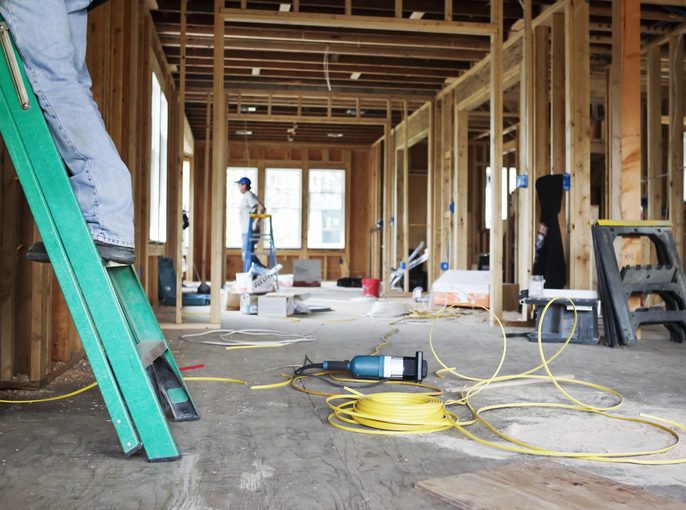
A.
x: 250, y: 204
x: 51, y: 38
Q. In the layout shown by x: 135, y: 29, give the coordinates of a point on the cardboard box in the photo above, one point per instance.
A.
x: 249, y: 304
x: 461, y: 288
x: 307, y: 273
x: 233, y: 301
x: 276, y: 305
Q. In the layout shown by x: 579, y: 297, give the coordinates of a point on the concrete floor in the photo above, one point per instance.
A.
x: 274, y: 449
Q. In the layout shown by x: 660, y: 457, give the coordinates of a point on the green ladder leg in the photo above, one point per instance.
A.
x: 135, y: 370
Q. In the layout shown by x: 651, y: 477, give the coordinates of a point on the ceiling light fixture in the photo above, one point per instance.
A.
x: 248, y: 109
x: 417, y: 15
x: 284, y: 7
x: 335, y: 135
x: 256, y: 71
x: 243, y: 132
x: 356, y: 75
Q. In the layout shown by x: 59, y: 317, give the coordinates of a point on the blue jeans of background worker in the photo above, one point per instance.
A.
x: 51, y: 38
x: 248, y: 244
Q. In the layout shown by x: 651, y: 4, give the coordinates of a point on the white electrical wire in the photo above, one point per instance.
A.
x: 226, y: 340
x: 326, y: 68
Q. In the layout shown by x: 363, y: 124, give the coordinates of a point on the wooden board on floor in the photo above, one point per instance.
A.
x: 540, y: 485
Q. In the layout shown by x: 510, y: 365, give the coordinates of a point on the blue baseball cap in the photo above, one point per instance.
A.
x: 243, y: 180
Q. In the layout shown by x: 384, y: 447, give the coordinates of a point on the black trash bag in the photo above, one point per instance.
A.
x: 550, y: 257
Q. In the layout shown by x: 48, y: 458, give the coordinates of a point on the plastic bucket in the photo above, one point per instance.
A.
x: 370, y: 287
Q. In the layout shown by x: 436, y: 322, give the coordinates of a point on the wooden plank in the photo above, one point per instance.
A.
x: 180, y: 155
x: 541, y: 485
x: 8, y: 265
x: 530, y: 92
x: 654, y: 135
x: 496, y: 157
x: 541, y: 134
x: 557, y: 94
x: 358, y: 22
x: 207, y: 176
x: 578, y: 150
x: 406, y: 202
x: 218, y: 167
x: 629, y: 52
x: 257, y: 117
x: 675, y: 168
x: 387, y: 197
x: 430, y: 179
x: 461, y: 191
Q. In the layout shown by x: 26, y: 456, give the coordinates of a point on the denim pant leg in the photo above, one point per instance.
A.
x: 54, y: 57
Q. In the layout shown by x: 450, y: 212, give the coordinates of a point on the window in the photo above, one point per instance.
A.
x: 283, y: 200
x: 326, y: 218
x: 233, y: 202
x: 158, y: 163
x: 508, y: 183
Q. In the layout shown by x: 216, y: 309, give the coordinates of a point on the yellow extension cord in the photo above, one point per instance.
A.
x: 390, y: 413
x: 403, y: 413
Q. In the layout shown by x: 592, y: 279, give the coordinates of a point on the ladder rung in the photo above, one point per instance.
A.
x: 150, y: 350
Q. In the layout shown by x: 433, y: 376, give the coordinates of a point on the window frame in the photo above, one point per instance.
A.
x: 344, y: 207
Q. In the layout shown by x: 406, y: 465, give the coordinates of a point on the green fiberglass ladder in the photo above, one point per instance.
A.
x: 136, y: 372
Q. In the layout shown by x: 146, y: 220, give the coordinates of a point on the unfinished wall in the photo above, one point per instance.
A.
x: 355, y: 160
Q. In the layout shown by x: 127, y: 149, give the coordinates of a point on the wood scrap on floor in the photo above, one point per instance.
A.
x: 541, y: 485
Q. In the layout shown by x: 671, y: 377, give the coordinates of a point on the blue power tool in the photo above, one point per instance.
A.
x: 382, y: 367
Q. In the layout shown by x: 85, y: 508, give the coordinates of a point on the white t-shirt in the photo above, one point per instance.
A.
x: 248, y: 206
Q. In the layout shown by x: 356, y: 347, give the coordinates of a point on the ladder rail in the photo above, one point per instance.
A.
x: 106, y: 334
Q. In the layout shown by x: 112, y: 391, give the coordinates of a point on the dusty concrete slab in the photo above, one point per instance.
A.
x: 274, y: 449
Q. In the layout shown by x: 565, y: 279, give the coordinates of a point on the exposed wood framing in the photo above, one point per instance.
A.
x: 557, y: 94
x: 461, y: 217
x: 218, y: 168
x: 526, y: 132
x: 578, y: 150
x: 654, y: 132
x: 676, y: 147
x: 180, y: 154
x: 496, y: 157
x: 406, y: 200
x: 389, y: 154
x: 358, y: 22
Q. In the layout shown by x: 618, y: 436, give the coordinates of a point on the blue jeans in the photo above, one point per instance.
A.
x: 248, y: 245
x: 51, y: 38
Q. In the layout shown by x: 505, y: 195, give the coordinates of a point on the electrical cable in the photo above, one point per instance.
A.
x: 226, y: 340
x: 421, y: 412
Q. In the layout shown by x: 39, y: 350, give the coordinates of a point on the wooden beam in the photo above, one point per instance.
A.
x: 676, y: 143
x: 430, y: 178
x: 578, y: 150
x: 557, y: 95
x: 654, y: 128
x: 312, y: 119
x: 629, y: 53
x: 526, y: 196
x: 496, y: 139
x: 207, y: 177
x: 180, y: 131
x: 218, y: 168
x: 461, y: 191
x: 389, y: 151
x: 358, y: 22
x: 406, y: 200
x: 541, y: 125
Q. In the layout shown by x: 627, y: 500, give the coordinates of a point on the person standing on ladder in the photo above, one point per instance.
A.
x: 250, y: 230
x: 51, y: 38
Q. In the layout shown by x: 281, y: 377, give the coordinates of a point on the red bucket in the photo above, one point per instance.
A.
x: 370, y: 287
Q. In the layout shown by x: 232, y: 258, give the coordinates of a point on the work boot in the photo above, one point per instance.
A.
x: 108, y: 252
